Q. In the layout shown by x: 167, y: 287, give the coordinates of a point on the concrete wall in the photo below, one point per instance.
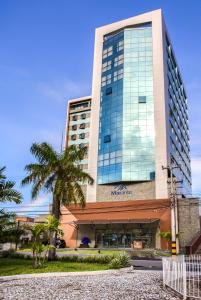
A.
x: 138, y: 191
x: 189, y: 222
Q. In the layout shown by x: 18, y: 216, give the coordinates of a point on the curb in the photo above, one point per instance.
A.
x: 60, y: 274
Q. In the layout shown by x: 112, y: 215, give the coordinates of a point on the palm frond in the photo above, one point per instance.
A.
x: 43, y: 152
x: 7, y: 193
x: 2, y: 176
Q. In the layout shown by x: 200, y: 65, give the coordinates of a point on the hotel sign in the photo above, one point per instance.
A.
x: 121, y: 189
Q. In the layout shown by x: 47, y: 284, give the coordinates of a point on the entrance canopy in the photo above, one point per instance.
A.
x: 125, y: 221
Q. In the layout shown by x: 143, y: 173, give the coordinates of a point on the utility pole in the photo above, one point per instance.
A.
x: 174, y: 214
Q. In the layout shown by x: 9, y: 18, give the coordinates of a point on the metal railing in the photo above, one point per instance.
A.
x: 183, y: 275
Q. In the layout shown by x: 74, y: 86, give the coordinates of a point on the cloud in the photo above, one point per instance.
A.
x: 62, y: 90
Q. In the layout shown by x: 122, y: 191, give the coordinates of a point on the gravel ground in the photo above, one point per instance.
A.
x: 118, y: 285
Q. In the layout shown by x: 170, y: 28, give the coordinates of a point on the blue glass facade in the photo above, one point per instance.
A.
x: 126, y: 129
x: 178, y: 122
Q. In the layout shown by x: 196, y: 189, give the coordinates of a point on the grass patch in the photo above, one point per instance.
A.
x: 82, y: 251
x: 11, y: 266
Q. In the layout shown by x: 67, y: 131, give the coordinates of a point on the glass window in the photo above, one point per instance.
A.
x: 73, y: 137
x: 108, y: 91
x: 106, y: 66
x: 107, y: 138
x: 74, y: 127
x: 82, y: 145
x: 107, y: 52
x: 118, y: 74
x: 82, y: 136
x: 142, y: 99
x: 74, y: 118
x: 82, y: 126
x: 120, y: 46
x: 106, y: 80
x: 83, y: 116
x: 118, y: 60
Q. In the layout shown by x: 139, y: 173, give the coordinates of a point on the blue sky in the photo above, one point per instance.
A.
x: 46, y: 57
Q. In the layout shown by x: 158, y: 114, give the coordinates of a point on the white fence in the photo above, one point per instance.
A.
x: 183, y: 275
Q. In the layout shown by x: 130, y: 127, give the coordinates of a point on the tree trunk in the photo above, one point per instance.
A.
x: 53, y: 235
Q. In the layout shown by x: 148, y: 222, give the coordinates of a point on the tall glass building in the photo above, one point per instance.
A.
x: 126, y: 128
x: 134, y: 124
x: 139, y: 114
x: 138, y: 118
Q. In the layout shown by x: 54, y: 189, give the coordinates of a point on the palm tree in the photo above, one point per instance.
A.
x: 7, y: 192
x: 58, y: 173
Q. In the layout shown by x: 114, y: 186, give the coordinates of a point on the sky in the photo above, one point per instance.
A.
x: 46, y: 57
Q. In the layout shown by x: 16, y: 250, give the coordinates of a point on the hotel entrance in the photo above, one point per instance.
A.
x: 123, y: 235
x: 113, y: 239
x: 119, y: 224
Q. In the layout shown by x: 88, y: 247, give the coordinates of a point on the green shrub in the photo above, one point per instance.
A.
x: 94, y: 259
x: 20, y: 255
x: 69, y: 258
x: 12, y: 254
x: 6, y: 253
x: 120, y: 261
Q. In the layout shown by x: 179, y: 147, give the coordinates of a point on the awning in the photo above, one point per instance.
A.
x: 128, y: 221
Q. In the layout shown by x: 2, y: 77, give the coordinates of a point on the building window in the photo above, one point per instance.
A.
x: 107, y: 66
x: 107, y: 138
x: 152, y: 175
x: 142, y: 99
x: 74, y: 127
x: 82, y: 126
x: 106, y: 80
x: 120, y: 46
x: 118, y: 74
x: 73, y: 137
x: 81, y: 145
x: 83, y: 116
x: 82, y: 136
x: 119, y: 60
x: 74, y: 118
x: 108, y: 91
x: 107, y: 52
x: 79, y: 106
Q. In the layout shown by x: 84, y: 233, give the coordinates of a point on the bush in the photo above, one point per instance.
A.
x: 20, y: 255
x: 103, y: 259
x: 12, y: 254
x: 114, y: 261
x: 69, y: 258
x: 120, y: 261
x: 6, y: 253
x: 95, y: 259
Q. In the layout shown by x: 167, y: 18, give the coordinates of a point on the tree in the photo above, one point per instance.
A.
x: 10, y: 230
x: 60, y: 174
x: 38, y: 232
x: 7, y: 191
